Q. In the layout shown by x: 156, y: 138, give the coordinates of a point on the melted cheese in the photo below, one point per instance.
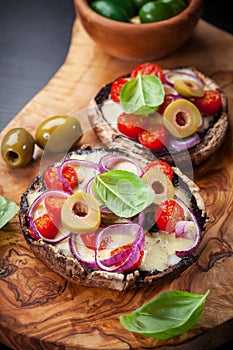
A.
x: 160, y: 249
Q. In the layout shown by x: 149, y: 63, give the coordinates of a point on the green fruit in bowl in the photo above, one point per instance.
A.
x: 140, y: 3
x: 177, y: 5
x: 128, y: 6
x: 155, y: 11
x: 110, y: 9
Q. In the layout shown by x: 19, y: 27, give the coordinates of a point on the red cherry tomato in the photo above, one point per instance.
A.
x: 45, y: 226
x: 70, y: 175
x: 210, y: 103
x: 154, y: 137
x: 89, y: 239
x: 168, y: 214
x: 52, y: 181
x: 167, y: 100
x: 162, y: 166
x: 53, y: 206
x: 125, y: 247
x: 148, y: 69
x: 131, y: 125
x: 116, y: 87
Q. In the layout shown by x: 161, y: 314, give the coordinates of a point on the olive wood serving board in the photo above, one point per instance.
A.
x: 38, y: 308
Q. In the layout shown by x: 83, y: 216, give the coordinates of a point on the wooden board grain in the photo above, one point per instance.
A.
x: 39, y: 309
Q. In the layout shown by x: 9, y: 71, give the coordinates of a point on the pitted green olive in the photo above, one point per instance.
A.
x: 80, y: 213
x: 59, y: 134
x: 17, y: 147
x: 182, y: 118
x: 188, y: 88
x: 161, y: 185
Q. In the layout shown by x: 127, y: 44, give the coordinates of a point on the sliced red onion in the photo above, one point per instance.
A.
x: 77, y: 255
x: 201, y: 126
x: 174, y: 144
x: 185, y: 229
x: 141, y: 218
x: 188, y: 231
x: 109, y: 161
x: 172, y: 76
x: 169, y: 98
x: 33, y: 207
x: 89, y: 186
x: 126, y: 258
x: 73, y: 163
x: 169, y: 90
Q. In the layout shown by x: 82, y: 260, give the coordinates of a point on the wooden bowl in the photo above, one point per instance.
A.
x: 139, y: 42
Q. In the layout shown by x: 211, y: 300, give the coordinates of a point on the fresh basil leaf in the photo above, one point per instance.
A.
x: 123, y: 192
x: 142, y: 95
x: 8, y: 210
x: 169, y: 314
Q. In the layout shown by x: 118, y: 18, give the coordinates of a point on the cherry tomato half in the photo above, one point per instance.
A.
x: 53, y: 206
x: 154, y: 137
x: 131, y: 125
x: 168, y: 214
x: 210, y: 103
x: 162, y: 166
x: 125, y: 247
x: 89, y: 239
x: 148, y: 69
x: 116, y: 88
x: 167, y: 100
x: 45, y: 226
x: 52, y: 181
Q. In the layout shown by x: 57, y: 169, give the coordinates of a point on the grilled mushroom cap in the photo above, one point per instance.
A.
x: 211, y: 139
x: 72, y: 270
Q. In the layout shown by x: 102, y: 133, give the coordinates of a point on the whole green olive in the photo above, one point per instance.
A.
x: 17, y: 147
x: 59, y: 134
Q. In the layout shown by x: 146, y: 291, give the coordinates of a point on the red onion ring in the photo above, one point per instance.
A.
x: 185, y: 229
x: 178, y: 145
x: 33, y: 207
x: 108, y: 161
x: 89, y: 188
x: 182, y: 253
x: 126, y: 258
x: 141, y: 218
x: 201, y: 126
x: 172, y: 76
x: 75, y: 253
x: 169, y: 98
x: 73, y: 162
x: 169, y: 90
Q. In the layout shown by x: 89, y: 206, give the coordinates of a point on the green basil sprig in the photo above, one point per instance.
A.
x: 8, y: 210
x: 169, y: 314
x: 142, y: 95
x: 123, y: 192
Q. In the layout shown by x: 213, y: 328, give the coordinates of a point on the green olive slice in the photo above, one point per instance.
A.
x: 188, y: 88
x: 80, y: 213
x: 181, y: 118
x: 161, y: 185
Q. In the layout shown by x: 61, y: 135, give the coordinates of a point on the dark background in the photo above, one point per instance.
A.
x: 34, y: 40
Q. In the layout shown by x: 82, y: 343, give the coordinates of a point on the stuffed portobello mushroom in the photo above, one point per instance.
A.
x: 101, y: 219
x: 177, y: 113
